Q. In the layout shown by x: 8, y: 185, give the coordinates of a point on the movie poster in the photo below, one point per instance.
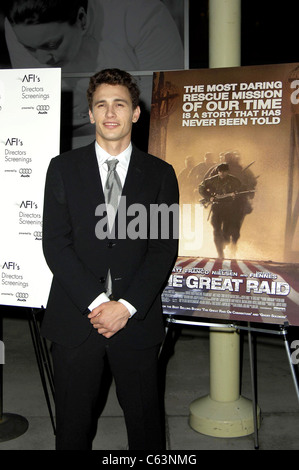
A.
x: 30, y: 130
x: 231, y: 135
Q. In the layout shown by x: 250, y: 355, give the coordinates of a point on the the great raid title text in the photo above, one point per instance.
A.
x: 222, y: 293
x: 252, y: 285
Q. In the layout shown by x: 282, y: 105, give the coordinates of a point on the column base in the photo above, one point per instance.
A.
x: 12, y: 426
x: 223, y: 419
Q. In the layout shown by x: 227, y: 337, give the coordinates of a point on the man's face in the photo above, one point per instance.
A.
x: 222, y: 174
x: 53, y: 44
x: 113, y: 114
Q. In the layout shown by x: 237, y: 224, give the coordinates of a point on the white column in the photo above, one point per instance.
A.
x: 224, y: 33
x: 224, y: 412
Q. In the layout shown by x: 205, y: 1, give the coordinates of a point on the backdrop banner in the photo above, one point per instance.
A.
x: 239, y: 243
x: 30, y: 132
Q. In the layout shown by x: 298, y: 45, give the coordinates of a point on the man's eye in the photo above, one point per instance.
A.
x: 30, y: 49
x: 52, y: 46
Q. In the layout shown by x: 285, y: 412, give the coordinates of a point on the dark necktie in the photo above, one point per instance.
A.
x: 112, y: 191
x: 113, y: 187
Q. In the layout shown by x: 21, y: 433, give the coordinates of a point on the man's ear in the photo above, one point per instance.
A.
x: 82, y: 18
x: 91, y: 118
x: 136, y: 114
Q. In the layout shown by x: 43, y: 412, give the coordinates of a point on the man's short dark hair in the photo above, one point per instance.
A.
x: 113, y: 77
x: 43, y: 11
x: 223, y: 167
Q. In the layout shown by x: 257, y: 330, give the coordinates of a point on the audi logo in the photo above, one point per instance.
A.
x: 37, y: 235
x: 22, y: 295
x: 25, y: 171
x: 43, y: 107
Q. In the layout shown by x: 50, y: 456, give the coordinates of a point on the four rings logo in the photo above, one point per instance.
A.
x: 25, y: 172
x: 22, y: 296
x: 37, y: 235
x: 42, y: 108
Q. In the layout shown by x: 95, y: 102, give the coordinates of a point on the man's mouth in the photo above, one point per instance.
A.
x: 111, y: 125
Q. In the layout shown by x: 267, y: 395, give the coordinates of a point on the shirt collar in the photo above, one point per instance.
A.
x: 123, y: 157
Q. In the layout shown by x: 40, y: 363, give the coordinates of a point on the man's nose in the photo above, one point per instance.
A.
x: 110, y: 110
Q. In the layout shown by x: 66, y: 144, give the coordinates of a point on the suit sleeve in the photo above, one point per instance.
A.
x: 152, y: 275
x: 77, y: 281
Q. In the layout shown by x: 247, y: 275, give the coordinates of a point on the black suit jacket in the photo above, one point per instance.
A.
x: 79, y: 260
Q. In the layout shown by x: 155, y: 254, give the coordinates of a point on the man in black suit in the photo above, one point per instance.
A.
x: 84, y: 252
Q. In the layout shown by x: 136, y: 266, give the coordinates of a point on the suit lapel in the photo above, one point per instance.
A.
x: 135, y: 175
x: 89, y: 172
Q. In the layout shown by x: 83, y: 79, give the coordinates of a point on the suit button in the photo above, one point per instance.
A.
x: 111, y: 245
x: 102, y: 280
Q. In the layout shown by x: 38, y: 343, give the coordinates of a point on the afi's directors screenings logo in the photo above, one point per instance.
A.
x: 32, y: 90
x: 13, y: 280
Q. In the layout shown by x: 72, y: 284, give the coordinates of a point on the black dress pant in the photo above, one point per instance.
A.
x: 78, y: 378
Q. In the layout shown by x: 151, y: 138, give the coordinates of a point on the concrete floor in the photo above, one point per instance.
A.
x: 186, y: 379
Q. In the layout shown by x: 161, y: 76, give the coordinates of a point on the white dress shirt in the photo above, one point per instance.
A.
x: 122, y: 168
